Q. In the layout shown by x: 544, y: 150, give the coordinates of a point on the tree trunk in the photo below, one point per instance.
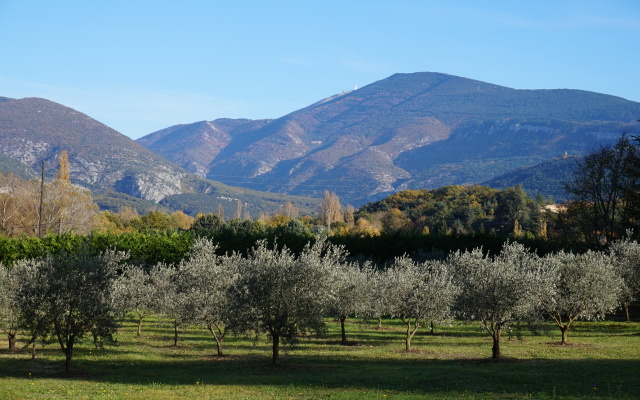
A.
x: 626, y: 311
x: 410, y: 333
x: 219, y: 340
x: 344, y: 332
x: 175, y: 333
x: 496, y: 344
x: 33, y: 349
x: 564, y: 330
x: 379, y: 322
x: 139, y: 333
x: 12, y: 337
x: 68, y: 352
x: 276, y: 349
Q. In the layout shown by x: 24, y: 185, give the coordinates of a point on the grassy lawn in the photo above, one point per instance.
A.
x: 602, y: 361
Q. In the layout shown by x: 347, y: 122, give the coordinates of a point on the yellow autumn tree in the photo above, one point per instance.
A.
x: 64, y: 171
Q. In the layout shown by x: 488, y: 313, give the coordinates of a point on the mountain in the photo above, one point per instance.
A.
x: 547, y: 178
x: 34, y: 130
x: 195, y: 146
x: 409, y: 131
x: 118, y: 170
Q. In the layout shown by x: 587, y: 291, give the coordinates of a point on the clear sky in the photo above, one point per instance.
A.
x: 140, y: 66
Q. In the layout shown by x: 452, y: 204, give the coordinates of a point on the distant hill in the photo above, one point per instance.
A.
x: 409, y: 131
x: 547, y: 178
x: 34, y: 130
x: 119, y: 171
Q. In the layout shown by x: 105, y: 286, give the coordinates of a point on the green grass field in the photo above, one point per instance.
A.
x: 602, y: 361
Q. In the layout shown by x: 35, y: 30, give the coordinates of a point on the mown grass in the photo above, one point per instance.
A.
x: 602, y: 361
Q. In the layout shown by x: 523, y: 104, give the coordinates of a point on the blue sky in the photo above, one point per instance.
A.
x: 140, y: 66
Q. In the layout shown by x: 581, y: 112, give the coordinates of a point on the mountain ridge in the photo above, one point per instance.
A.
x: 35, y: 130
x: 417, y: 130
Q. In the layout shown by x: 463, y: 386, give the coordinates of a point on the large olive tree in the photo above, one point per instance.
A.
x: 68, y: 295
x: 578, y: 286
x: 496, y: 290
x: 281, y: 294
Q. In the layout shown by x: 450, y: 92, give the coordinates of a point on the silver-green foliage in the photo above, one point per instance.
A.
x: 625, y: 258
x: 172, y: 298
x: 281, y: 294
x: 496, y: 290
x: 578, y: 286
x: 419, y: 292
x: 68, y: 295
x: 205, y: 279
x: 134, y: 292
x: 9, y: 305
x: 378, y: 305
x: 350, y: 291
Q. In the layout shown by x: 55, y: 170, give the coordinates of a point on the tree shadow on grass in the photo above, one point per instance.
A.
x: 393, y: 375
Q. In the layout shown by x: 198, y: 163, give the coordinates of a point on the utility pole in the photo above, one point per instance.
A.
x: 40, y: 233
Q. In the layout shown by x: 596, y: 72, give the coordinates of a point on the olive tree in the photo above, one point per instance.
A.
x: 578, y: 286
x: 379, y: 288
x: 134, y: 292
x: 625, y: 258
x: 9, y: 305
x: 172, y: 298
x: 419, y: 292
x: 350, y: 292
x: 68, y: 295
x: 496, y: 290
x: 281, y: 294
x: 205, y: 279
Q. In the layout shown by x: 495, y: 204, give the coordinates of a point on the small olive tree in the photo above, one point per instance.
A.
x: 281, y: 294
x: 380, y: 290
x: 498, y: 290
x: 68, y: 295
x: 206, y: 279
x: 419, y: 292
x: 625, y: 258
x: 134, y: 292
x: 350, y: 292
x: 172, y: 298
x: 578, y: 286
x: 9, y: 305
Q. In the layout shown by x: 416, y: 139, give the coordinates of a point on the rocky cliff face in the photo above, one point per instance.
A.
x: 33, y: 131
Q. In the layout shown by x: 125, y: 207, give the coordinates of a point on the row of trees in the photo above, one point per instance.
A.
x: 274, y: 291
x: 604, y: 189
x: 29, y: 207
